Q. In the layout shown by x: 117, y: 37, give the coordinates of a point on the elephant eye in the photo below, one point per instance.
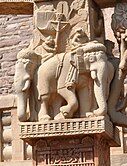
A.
x: 91, y: 57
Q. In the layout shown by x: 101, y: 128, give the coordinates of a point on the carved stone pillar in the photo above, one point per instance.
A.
x: 73, y: 142
x: 101, y: 151
x: 64, y: 79
x: 17, y: 144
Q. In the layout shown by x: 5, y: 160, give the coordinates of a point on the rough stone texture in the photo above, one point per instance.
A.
x: 109, y: 33
x: 15, y: 34
x: 16, y: 7
x: 119, y: 160
x: 7, y: 101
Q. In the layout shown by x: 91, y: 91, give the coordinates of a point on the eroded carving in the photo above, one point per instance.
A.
x: 116, y: 102
x: 71, y: 81
x: 24, y: 75
x: 63, y: 152
x: 68, y: 71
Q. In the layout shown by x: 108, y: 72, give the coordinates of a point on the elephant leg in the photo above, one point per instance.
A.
x: 101, y: 87
x: 84, y: 102
x: 100, y: 95
x: 43, y: 113
x: 33, y: 113
x: 22, y: 98
x: 72, y: 102
x: 56, y: 107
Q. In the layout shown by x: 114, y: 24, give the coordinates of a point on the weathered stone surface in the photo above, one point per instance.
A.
x: 71, y: 151
x: 119, y: 160
x: 16, y: 7
x: 7, y: 101
x: 4, y: 73
x: 65, y: 35
x: 15, y: 34
x: 57, y: 142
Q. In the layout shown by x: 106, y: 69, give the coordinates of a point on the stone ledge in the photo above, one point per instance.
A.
x: 8, y: 101
x: 69, y: 127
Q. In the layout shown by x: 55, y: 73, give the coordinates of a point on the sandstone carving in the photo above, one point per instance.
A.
x: 24, y: 73
x: 116, y: 103
x: 68, y: 71
x: 71, y: 81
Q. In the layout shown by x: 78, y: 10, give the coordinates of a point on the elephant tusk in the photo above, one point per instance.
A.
x: 26, y: 86
x: 93, y: 74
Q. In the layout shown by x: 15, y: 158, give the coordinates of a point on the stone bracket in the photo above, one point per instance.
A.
x: 68, y: 127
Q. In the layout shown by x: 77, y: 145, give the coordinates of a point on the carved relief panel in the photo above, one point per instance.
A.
x: 65, y: 152
x: 68, y: 23
x: 66, y: 72
x: 60, y: 66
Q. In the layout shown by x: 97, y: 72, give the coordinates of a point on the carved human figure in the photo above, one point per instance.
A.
x: 48, y: 49
x: 24, y: 72
x: 54, y: 27
x: 119, y: 26
x: 79, y: 38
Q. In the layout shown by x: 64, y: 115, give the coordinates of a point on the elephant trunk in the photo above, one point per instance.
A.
x: 22, y: 106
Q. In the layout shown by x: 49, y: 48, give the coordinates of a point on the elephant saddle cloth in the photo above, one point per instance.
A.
x: 76, y: 68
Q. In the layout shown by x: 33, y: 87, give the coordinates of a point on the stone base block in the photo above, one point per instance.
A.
x: 71, y: 142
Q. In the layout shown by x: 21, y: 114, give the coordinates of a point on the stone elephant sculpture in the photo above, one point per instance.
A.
x: 71, y: 76
x: 102, y: 72
x: 23, y: 82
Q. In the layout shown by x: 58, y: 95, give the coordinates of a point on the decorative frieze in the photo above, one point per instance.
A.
x: 65, y: 152
x: 96, y: 125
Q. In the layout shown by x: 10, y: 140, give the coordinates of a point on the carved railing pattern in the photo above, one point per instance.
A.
x: 71, y: 127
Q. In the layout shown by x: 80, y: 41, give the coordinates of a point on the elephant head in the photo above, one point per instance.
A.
x: 24, y: 73
x: 102, y: 72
